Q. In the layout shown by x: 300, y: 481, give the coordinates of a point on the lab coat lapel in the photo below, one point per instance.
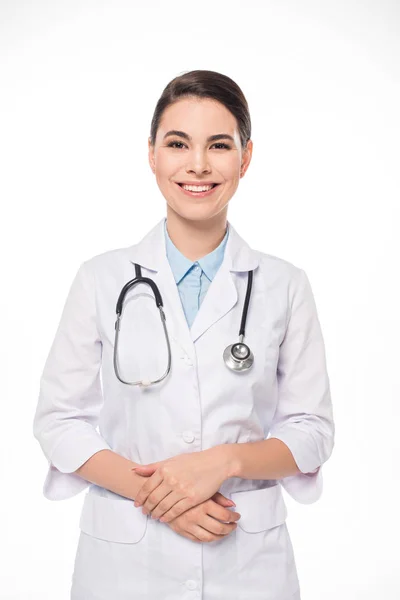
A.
x: 220, y: 298
x: 222, y: 294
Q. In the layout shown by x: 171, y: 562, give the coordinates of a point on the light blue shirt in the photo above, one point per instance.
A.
x: 193, y: 278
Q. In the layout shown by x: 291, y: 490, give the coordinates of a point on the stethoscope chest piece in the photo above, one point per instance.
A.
x: 238, y: 357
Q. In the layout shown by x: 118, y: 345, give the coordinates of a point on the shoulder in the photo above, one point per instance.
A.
x: 271, y: 264
x: 283, y: 277
x: 107, y: 259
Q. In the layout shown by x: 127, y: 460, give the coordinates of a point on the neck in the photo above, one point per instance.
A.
x: 196, y: 239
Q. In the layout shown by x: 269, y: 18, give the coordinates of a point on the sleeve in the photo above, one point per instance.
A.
x: 303, y: 419
x: 70, y: 397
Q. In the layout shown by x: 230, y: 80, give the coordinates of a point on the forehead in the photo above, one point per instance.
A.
x: 198, y: 116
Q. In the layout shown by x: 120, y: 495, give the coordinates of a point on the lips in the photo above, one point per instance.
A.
x: 197, y: 195
x: 198, y: 184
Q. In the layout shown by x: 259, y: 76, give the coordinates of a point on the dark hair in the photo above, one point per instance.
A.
x: 205, y: 84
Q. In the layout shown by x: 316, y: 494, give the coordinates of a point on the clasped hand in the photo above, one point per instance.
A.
x: 179, y: 483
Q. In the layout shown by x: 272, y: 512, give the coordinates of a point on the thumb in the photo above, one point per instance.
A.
x: 146, y: 468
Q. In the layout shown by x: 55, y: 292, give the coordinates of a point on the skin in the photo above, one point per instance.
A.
x: 197, y: 226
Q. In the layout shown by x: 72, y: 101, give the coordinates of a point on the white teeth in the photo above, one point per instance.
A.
x: 197, y: 188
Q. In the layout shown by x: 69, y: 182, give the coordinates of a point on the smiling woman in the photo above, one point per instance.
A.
x: 200, y: 136
x: 203, y: 434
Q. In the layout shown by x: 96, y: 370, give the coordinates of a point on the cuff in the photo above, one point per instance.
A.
x: 302, y: 446
x: 70, y: 454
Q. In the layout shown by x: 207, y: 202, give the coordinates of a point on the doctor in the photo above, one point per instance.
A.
x: 212, y: 445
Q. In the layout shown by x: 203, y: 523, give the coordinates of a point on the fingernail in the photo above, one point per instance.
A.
x: 232, y: 503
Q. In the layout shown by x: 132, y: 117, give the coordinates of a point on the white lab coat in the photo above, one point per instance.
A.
x: 123, y: 554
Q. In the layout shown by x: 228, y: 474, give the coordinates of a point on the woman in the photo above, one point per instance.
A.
x: 213, y: 430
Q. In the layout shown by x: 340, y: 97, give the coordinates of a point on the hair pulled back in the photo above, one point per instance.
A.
x: 205, y: 84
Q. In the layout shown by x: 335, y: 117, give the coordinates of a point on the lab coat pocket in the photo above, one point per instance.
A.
x: 114, y: 520
x: 260, y: 509
x: 263, y: 550
x: 110, y: 546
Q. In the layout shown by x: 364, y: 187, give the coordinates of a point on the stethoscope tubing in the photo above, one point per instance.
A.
x: 237, y: 357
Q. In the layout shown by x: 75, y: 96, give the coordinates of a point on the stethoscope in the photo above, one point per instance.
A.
x: 237, y: 357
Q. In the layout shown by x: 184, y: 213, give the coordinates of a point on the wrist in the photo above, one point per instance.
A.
x: 228, y: 458
x: 137, y: 482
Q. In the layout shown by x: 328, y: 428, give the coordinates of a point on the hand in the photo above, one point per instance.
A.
x: 181, y: 482
x: 202, y: 523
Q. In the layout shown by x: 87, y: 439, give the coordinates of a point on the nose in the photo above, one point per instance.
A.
x: 198, y: 162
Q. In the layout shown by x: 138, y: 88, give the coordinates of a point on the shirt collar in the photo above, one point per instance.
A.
x: 180, y: 265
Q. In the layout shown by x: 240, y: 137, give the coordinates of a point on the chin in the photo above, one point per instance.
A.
x: 195, y: 213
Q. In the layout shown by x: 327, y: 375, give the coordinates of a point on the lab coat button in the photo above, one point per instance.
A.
x: 191, y: 585
x: 188, y: 436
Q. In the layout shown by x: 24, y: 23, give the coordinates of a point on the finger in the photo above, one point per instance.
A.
x: 226, y: 502
x: 145, y: 474
x: 208, y: 536
x: 146, y: 468
x: 147, y: 488
x: 177, y: 509
x: 223, y: 500
x: 151, y: 484
x: 216, y: 527
x: 166, y: 504
x: 158, y: 501
x: 223, y: 514
x: 144, y: 471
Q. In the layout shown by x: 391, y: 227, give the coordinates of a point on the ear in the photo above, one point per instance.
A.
x: 151, y: 156
x: 247, y: 153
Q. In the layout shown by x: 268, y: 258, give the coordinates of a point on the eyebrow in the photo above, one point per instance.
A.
x: 211, y: 138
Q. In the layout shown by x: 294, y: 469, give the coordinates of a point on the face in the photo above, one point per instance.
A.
x: 190, y: 156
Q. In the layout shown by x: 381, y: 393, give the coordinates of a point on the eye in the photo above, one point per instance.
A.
x: 220, y: 144
x: 172, y: 144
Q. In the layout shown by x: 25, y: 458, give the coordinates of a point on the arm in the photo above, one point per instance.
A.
x: 302, y: 431
x: 113, y: 472
x: 266, y: 459
x: 303, y: 417
x: 70, y: 402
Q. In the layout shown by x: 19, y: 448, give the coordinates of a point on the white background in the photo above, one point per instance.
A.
x: 79, y: 84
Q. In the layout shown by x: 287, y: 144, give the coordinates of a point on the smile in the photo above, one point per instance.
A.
x: 199, y: 191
